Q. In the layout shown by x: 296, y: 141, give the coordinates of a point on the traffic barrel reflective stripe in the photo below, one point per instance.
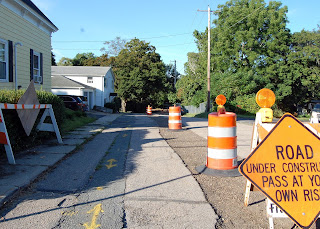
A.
x: 149, y: 110
x: 174, y: 121
x: 222, y: 141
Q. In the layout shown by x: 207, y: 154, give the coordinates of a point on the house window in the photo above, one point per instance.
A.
x: 36, y: 68
x: 90, y: 79
x: 4, y: 60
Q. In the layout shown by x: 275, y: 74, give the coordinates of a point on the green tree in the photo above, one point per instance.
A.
x: 173, y: 77
x: 104, y: 60
x: 191, y: 88
x: 304, y: 62
x: 53, y: 59
x: 140, y: 74
x: 84, y: 59
x: 251, y: 38
x: 64, y: 61
x: 249, y: 47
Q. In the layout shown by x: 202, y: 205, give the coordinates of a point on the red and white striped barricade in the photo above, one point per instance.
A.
x: 42, y: 126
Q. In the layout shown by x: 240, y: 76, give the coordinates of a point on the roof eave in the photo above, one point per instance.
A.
x: 36, y: 12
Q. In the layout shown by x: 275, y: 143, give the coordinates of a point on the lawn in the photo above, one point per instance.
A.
x: 75, y: 119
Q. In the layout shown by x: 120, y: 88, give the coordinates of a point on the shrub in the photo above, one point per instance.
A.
x: 114, y: 105
x: 18, y: 138
x: 244, y: 104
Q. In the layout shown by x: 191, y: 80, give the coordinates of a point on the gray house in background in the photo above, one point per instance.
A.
x: 95, y: 83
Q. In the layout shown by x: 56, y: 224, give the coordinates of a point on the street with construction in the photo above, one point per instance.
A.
x: 132, y: 171
x: 159, y: 114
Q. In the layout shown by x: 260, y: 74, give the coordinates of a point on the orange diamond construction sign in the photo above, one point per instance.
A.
x: 285, y: 166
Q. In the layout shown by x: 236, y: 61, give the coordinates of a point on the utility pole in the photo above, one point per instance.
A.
x: 208, y: 65
x: 174, y: 73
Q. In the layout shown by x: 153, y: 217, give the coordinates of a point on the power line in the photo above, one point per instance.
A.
x: 77, y: 49
x: 160, y: 46
x: 164, y: 36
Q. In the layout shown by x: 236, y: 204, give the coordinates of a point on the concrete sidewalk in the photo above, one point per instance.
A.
x: 160, y: 191
x: 31, y: 163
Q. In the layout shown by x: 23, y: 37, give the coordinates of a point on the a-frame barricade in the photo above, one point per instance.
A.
x: 42, y: 126
x: 260, y: 131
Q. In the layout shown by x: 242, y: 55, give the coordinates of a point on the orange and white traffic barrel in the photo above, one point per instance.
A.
x: 222, y: 141
x: 174, y: 121
x: 222, y: 145
x: 149, y: 110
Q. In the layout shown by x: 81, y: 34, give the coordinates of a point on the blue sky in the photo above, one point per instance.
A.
x: 167, y: 25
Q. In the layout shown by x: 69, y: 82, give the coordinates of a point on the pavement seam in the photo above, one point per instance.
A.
x: 219, y: 220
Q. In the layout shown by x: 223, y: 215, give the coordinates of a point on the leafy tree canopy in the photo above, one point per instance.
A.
x: 82, y: 59
x: 53, y: 59
x: 304, y: 62
x: 64, y: 61
x: 140, y: 73
x: 251, y: 48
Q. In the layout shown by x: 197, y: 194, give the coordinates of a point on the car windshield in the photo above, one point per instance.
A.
x: 78, y: 99
x: 317, y: 106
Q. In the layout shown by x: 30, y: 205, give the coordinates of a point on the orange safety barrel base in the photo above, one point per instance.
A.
x: 175, y: 126
x: 174, y: 121
x: 217, y: 172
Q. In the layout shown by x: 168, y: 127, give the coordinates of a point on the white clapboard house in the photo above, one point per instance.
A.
x: 95, y: 83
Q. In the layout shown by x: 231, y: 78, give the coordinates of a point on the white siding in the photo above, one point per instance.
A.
x: 110, y: 87
x: 97, y: 83
x: 101, y: 93
x: 17, y: 29
x: 68, y: 91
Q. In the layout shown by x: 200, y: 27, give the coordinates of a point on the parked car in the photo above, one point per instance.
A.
x: 183, y: 109
x: 85, y: 101
x: 315, y: 112
x: 73, y: 102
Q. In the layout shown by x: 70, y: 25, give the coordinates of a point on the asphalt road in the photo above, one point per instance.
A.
x: 126, y: 177
x: 75, y: 194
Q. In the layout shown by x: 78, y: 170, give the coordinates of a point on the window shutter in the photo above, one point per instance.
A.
x: 41, y: 67
x: 10, y: 61
x: 31, y: 64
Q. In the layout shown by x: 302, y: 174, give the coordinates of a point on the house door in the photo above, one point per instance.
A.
x: 86, y: 95
x: 90, y: 100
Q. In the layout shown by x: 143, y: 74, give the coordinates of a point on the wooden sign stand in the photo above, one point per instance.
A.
x: 51, y: 127
x: 260, y: 131
x: 273, y: 211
